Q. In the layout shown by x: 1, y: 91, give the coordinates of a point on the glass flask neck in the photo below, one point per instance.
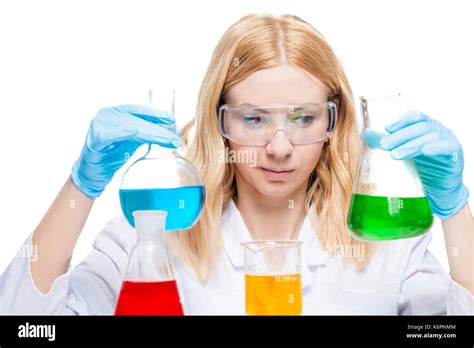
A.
x: 377, y: 111
x: 150, y: 225
x: 157, y: 151
x: 149, y: 260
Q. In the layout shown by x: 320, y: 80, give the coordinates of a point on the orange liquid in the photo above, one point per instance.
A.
x: 273, y: 294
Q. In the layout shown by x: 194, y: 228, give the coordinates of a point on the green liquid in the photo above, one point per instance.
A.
x: 384, y: 218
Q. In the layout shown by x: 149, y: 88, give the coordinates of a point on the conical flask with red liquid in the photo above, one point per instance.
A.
x: 149, y: 286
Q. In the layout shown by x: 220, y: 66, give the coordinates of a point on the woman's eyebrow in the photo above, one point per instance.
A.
x: 246, y: 104
x: 250, y: 105
x: 263, y: 111
x: 266, y: 111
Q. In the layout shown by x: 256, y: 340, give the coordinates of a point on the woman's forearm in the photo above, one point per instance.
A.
x: 459, y: 238
x: 57, y: 233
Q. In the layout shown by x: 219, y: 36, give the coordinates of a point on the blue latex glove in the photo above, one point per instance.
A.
x: 114, y: 135
x: 437, y: 155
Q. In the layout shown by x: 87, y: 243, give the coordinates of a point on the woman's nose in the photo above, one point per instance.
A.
x: 279, y: 144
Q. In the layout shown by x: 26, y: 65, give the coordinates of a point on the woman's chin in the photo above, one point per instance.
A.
x: 276, y: 189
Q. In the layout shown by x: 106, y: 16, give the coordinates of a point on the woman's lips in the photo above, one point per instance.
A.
x: 277, y: 174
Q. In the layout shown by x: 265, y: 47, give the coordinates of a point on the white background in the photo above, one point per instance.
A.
x: 60, y: 61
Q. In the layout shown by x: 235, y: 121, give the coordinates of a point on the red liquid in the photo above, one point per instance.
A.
x: 149, y: 298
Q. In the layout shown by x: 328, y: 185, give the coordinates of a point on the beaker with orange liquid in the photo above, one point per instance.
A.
x: 273, y: 277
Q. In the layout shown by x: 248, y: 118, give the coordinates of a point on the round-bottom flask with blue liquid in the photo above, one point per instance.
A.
x: 163, y: 180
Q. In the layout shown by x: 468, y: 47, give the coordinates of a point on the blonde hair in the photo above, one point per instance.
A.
x: 255, y: 42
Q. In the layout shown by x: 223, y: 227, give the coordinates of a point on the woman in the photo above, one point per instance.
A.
x: 299, y: 188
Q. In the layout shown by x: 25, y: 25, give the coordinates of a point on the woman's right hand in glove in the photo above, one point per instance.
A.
x: 114, y: 135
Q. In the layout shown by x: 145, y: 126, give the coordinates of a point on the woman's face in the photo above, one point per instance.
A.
x: 282, y: 84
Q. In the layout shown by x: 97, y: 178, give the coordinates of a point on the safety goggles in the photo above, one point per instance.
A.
x: 256, y: 125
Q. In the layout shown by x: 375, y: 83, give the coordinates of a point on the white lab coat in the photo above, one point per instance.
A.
x: 402, y: 277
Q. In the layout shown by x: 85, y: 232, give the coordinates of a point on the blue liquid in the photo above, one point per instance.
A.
x: 183, y: 204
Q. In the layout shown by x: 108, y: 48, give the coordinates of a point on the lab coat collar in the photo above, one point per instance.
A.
x: 235, y: 231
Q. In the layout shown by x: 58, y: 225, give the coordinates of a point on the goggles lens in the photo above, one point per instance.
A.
x: 256, y: 125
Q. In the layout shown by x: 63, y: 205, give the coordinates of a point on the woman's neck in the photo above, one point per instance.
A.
x: 268, y: 217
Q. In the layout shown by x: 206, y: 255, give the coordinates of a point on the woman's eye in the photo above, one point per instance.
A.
x: 303, y: 119
x: 253, y: 120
